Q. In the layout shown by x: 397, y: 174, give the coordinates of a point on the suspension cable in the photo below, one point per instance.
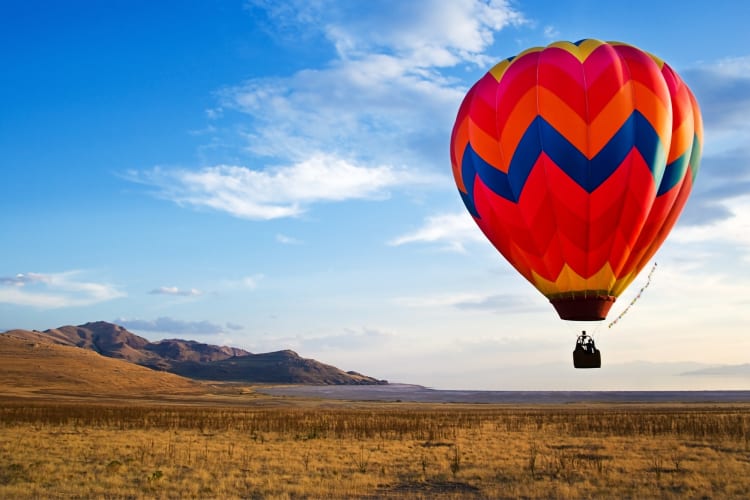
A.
x: 635, y: 299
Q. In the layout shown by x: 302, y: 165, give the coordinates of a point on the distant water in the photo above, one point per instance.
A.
x: 416, y: 393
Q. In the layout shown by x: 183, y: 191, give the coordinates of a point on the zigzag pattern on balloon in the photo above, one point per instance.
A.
x: 556, y: 223
x: 575, y: 160
x: 589, y: 173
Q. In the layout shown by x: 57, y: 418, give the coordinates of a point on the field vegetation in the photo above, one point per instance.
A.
x: 377, y: 450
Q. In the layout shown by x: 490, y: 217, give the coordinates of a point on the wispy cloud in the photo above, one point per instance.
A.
x: 386, y: 93
x: 723, y: 92
x: 474, y: 301
x: 371, y: 120
x: 171, y: 326
x: 287, y: 240
x: 243, y: 282
x: 275, y: 192
x: 503, y: 303
x: 55, y: 290
x: 439, y: 300
x: 423, y: 29
x: 352, y: 339
x: 551, y: 33
x: 721, y: 180
x: 22, y: 279
x: 452, y: 231
x: 734, y: 229
x: 174, y: 291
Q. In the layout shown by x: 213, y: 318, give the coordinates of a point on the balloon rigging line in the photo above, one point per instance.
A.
x: 638, y: 296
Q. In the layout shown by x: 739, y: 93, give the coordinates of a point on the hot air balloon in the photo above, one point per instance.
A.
x: 575, y: 160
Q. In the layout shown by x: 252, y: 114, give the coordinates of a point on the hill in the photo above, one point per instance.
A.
x: 194, y: 359
x: 115, y: 341
x: 273, y: 367
x: 29, y: 363
x: 742, y: 370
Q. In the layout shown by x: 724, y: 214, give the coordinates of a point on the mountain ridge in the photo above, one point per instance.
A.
x: 196, y: 360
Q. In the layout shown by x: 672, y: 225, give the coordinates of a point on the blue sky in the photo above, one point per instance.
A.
x: 276, y: 175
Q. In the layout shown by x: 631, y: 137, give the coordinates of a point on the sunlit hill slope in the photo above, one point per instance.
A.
x: 30, y: 363
x: 113, y: 347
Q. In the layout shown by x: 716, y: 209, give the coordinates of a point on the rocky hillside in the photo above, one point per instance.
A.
x: 279, y: 367
x: 194, y: 359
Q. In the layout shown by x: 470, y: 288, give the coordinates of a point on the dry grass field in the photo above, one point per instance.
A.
x: 74, y: 424
x: 314, y: 449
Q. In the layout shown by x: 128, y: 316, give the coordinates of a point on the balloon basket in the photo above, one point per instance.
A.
x: 584, y: 359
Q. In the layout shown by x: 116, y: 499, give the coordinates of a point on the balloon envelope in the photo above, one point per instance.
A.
x: 575, y: 160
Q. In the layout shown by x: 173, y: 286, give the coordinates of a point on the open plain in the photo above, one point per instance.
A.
x: 246, y: 445
x: 74, y: 424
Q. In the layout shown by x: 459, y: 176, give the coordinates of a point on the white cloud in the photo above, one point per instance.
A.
x: 688, y: 298
x: 451, y: 230
x: 287, y: 240
x: 234, y: 326
x: 378, y: 108
x: 275, y: 192
x: 475, y: 301
x: 414, y: 28
x: 440, y: 300
x: 351, y: 340
x: 551, y: 33
x: 733, y: 230
x: 173, y: 290
x: 246, y: 282
x: 54, y: 290
x: 21, y: 279
x: 250, y: 281
x: 214, y: 113
x: 354, y: 127
x: 385, y: 94
x: 426, y: 33
x: 171, y: 326
x: 722, y: 89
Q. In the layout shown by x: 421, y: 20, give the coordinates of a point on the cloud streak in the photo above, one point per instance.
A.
x: 734, y: 229
x: 723, y: 92
x: 453, y: 231
x: 173, y: 326
x: 246, y: 282
x: 275, y: 192
x: 386, y: 97
x: 371, y: 120
x: 55, y: 290
x: 287, y: 240
x: 351, y: 339
x: 474, y: 302
x: 174, y: 291
x: 432, y: 31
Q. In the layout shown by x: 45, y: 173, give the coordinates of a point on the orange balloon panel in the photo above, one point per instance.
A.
x: 576, y: 160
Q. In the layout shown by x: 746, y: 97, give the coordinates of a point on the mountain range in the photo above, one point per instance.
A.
x: 192, y: 359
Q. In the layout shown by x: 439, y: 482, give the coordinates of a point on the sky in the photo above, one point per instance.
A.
x: 275, y: 175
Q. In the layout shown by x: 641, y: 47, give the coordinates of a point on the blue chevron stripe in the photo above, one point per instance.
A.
x: 695, y: 157
x: 472, y: 164
x: 540, y: 137
x: 468, y: 174
x: 674, y: 173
